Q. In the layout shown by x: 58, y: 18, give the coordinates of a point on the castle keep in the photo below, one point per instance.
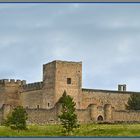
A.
x: 40, y: 98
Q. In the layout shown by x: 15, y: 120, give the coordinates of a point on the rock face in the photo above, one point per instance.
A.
x: 40, y: 98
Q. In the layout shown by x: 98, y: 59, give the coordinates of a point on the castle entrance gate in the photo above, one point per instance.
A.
x: 100, y: 118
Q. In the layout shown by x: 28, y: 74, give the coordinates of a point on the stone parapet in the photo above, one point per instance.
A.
x: 109, y: 91
x: 12, y: 81
x: 32, y: 86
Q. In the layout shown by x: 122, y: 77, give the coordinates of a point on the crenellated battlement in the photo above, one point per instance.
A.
x: 33, y: 86
x: 12, y: 81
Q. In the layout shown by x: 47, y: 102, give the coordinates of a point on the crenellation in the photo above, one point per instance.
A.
x: 32, y: 86
x: 18, y: 82
x: 12, y: 80
x: 4, y: 81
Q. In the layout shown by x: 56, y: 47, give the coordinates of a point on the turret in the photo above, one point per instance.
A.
x: 10, y: 92
x: 93, y: 111
x: 10, y: 89
x: 108, y: 112
x: 6, y: 82
x: 122, y: 87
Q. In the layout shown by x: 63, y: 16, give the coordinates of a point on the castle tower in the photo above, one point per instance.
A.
x: 10, y: 91
x: 60, y: 76
x: 93, y: 112
x: 10, y: 95
x: 49, y: 75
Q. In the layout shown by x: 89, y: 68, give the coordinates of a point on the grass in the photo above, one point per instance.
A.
x: 84, y: 130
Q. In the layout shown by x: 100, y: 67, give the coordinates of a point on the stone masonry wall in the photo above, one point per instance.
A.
x: 41, y: 116
x: 83, y: 115
x: 88, y: 115
x: 9, y: 92
x: 32, y: 86
x: 2, y: 96
x: 55, y: 81
x: 32, y: 99
x: 122, y: 115
x: 65, y: 71
x: 44, y: 116
x: 117, y: 99
x: 49, y: 85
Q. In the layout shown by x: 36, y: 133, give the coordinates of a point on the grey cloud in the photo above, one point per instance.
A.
x: 104, y: 36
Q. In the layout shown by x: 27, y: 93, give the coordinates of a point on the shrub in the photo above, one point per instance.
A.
x: 17, y: 119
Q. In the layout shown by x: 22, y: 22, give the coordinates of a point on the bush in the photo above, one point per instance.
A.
x: 133, y: 102
x: 17, y: 119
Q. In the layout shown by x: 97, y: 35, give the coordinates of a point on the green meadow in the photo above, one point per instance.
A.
x: 119, y: 130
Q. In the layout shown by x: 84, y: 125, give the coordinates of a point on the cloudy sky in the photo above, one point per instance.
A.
x: 105, y: 37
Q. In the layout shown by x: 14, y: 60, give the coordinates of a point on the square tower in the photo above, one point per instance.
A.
x: 49, y: 74
x: 60, y: 76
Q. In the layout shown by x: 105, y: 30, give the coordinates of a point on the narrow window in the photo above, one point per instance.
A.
x: 48, y: 104
x: 37, y: 106
x: 68, y: 80
x: 79, y: 104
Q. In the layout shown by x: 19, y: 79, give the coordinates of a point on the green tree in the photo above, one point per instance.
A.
x: 133, y: 102
x: 17, y: 119
x: 68, y: 117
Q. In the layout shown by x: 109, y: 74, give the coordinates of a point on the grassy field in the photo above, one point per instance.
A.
x: 83, y: 130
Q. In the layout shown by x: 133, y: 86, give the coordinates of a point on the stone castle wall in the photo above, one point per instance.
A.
x: 32, y: 86
x: 10, y: 91
x: 32, y: 99
x: 41, y: 116
x: 40, y: 98
x: 44, y: 116
x: 2, y: 96
x: 118, y: 99
x: 123, y: 115
x: 83, y: 115
x: 88, y: 115
x: 49, y: 71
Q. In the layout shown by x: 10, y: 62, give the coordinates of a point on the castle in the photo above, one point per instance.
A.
x: 40, y: 98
